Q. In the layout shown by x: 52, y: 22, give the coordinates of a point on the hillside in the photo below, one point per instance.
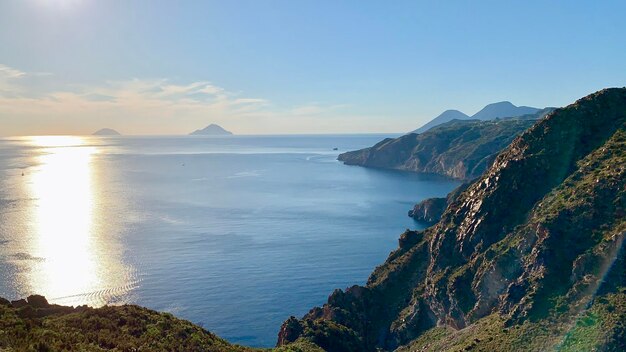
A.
x: 529, y: 257
x: 35, y: 325
x: 457, y: 149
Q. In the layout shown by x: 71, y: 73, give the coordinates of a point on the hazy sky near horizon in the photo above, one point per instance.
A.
x: 170, y: 67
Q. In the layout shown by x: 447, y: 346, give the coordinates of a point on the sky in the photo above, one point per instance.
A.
x: 281, y: 67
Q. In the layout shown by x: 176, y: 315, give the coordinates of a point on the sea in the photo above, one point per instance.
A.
x: 232, y: 233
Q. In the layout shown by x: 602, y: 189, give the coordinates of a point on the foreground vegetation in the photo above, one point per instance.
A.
x: 34, y: 325
x: 599, y: 328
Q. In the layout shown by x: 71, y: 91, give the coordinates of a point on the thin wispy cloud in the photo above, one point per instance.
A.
x: 10, y: 72
x: 141, y: 106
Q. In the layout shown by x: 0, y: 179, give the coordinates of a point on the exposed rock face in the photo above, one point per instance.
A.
x: 457, y: 149
x: 538, y: 238
x: 37, y: 301
x: 289, y: 331
x: 429, y: 210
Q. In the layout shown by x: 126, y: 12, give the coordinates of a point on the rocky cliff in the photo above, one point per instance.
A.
x: 529, y: 257
x: 461, y: 149
x: 430, y: 210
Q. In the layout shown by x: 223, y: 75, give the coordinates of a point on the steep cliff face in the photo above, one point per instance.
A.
x: 430, y: 210
x: 458, y: 149
x: 532, y: 246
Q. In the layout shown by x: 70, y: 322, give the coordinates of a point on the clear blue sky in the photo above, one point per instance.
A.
x: 161, y: 67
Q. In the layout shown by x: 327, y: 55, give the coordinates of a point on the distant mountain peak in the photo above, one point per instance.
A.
x: 211, y: 130
x: 444, y: 117
x: 502, y: 103
x: 503, y: 109
x: 106, y: 132
x: 491, y: 111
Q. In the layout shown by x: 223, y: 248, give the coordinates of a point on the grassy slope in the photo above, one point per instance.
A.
x: 599, y: 328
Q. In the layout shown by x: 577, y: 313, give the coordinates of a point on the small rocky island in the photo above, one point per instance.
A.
x: 106, y: 132
x: 211, y: 130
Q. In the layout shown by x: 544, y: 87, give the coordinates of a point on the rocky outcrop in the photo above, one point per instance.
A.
x: 537, y: 239
x: 429, y: 210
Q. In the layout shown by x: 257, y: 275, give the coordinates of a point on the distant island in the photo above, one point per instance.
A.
x: 211, y: 130
x: 106, y: 132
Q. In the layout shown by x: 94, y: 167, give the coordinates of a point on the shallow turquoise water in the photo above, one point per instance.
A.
x: 234, y: 233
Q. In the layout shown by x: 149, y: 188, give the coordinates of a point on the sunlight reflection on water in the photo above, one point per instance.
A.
x: 72, y: 268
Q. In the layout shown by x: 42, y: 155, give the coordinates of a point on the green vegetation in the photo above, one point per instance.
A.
x: 461, y: 149
x: 595, y: 329
x: 39, y: 327
x: 123, y: 328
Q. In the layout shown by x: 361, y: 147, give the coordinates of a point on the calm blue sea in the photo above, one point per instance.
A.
x: 233, y: 233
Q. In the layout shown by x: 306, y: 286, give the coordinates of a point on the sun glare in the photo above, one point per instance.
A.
x: 62, y: 187
x: 55, y: 141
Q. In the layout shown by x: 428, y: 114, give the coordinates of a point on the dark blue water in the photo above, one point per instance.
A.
x: 233, y: 233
